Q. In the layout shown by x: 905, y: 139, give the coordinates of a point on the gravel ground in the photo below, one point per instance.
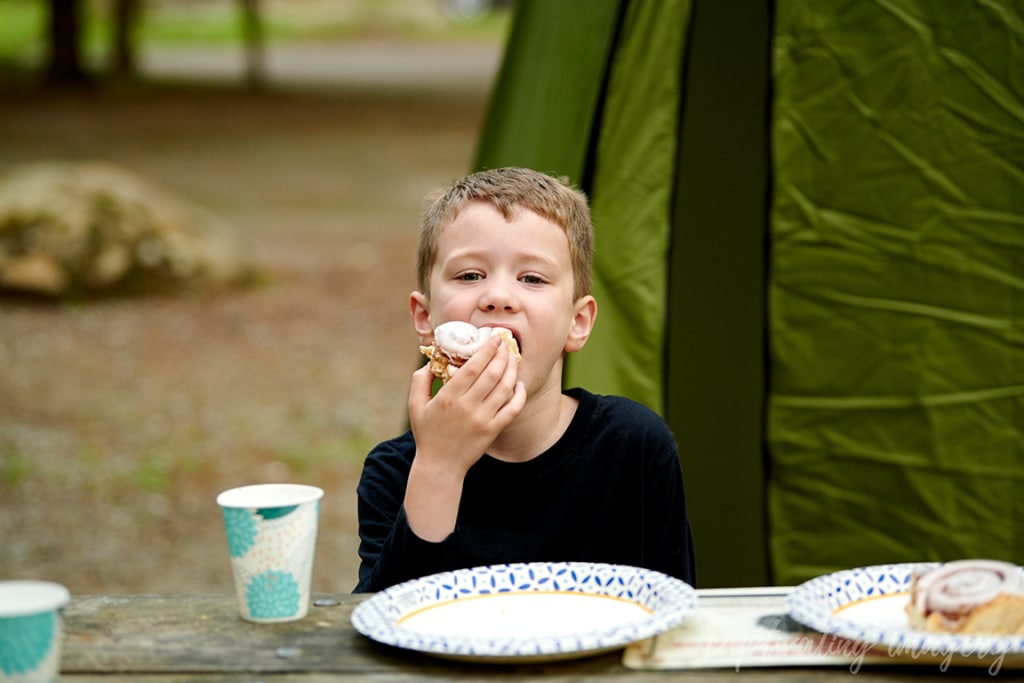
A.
x: 120, y: 420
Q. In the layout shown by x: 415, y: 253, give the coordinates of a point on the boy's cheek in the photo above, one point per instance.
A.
x: 446, y: 310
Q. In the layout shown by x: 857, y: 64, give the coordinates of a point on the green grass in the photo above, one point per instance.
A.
x: 15, y: 467
x: 153, y: 473
x: 317, y: 454
x: 22, y: 25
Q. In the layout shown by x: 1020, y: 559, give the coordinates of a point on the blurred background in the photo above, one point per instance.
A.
x: 808, y: 259
x: 311, y: 129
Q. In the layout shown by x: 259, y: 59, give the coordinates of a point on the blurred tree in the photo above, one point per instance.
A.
x: 125, y: 18
x: 252, y: 31
x: 64, y: 39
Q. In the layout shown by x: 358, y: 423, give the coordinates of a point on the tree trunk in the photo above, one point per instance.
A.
x: 252, y: 29
x: 126, y: 15
x: 64, y: 33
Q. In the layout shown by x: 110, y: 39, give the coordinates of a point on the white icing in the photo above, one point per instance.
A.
x: 459, y: 339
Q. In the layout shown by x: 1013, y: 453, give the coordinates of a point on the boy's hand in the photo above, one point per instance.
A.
x: 453, y: 430
x: 456, y: 426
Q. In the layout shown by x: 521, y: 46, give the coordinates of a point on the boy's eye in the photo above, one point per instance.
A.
x: 532, y: 279
x: 469, y: 277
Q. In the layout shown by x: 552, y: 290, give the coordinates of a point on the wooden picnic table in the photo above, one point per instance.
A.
x: 165, y: 638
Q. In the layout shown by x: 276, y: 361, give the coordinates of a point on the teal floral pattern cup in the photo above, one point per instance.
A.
x: 271, y: 533
x: 31, y: 630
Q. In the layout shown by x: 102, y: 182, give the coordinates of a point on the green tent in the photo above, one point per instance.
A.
x: 810, y: 220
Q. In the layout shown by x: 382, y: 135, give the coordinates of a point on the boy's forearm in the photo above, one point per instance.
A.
x: 432, y: 498
x: 401, y: 555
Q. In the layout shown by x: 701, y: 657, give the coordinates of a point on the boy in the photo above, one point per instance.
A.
x: 502, y: 465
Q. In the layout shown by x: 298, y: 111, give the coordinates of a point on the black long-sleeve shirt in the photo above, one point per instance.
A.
x: 609, y: 490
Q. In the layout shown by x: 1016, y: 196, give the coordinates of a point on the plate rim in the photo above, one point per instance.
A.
x: 371, y: 617
x: 807, y: 604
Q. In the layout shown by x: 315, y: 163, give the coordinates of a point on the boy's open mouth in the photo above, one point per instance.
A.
x: 515, y: 335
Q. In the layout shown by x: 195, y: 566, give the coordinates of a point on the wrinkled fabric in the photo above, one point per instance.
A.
x: 590, y: 90
x: 547, y: 97
x: 896, y: 293
x: 631, y: 200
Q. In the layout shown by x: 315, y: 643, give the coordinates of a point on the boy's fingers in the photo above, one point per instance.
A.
x: 421, y: 385
x: 484, y: 354
x: 518, y: 399
x: 476, y: 367
x: 423, y: 377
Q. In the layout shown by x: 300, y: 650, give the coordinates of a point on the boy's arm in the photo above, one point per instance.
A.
x: 453, y: 430
x: 388, y: 549
x: 668, y: 539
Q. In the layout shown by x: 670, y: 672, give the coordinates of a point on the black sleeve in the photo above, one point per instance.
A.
x: 389, y: 551
x: 667, y: 540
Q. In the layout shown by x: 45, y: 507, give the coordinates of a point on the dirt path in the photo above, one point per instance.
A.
x: 121, y: 420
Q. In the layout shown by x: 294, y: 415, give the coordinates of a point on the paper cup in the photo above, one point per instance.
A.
x: 271, y: 530
x: 31, y: 630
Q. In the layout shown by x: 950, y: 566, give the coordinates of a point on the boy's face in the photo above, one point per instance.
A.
x: 515, y: 274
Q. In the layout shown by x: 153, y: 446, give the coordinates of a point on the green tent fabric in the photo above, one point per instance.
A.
x: 547, y: 97
x: 632, y: 191
x: 809, y: 259
x: 897, y: 289
x: 590, y: 91
x: 604, y: 105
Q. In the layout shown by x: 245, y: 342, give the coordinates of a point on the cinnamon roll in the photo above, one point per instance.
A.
x: 968, y: 596
x: 455, y: 342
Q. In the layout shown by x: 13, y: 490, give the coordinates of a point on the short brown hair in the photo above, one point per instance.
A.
x: 509, y: 189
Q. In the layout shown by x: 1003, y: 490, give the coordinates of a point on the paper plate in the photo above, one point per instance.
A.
x: 528, y: 611
x: 867, y: 605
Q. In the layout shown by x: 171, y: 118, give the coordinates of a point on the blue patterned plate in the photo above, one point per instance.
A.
x: 528, y: 611
x: 867, y: 605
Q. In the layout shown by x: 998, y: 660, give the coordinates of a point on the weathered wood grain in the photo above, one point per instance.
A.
x: 170, y: 639
x: 203, y: 633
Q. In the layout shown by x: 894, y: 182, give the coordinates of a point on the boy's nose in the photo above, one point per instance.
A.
x: 497, y: 297
x: 493, y: 307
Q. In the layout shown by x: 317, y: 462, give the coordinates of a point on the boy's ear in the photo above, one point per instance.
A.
x: 582, y: 323
x: 419, y: 309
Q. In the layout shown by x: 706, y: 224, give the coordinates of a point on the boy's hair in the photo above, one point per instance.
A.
x: 509, y: 190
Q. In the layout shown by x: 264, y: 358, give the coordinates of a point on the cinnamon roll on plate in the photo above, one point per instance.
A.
x: 969, y: 597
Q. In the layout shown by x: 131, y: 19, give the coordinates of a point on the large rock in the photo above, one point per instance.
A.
x: 92, y: 227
